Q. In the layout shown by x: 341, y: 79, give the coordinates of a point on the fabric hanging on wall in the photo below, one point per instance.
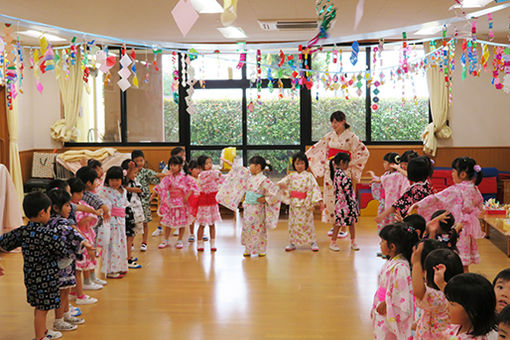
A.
x: 14, y: 161
x: 71, y: 90
x: 439, y: 107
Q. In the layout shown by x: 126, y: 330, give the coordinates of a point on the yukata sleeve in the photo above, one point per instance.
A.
x: 152, y: 177
x: 273, y: 203
x: 285, y: 193
x: 444, y: 199
x: 232, y: 190
x: 399, y: 303
x: 11, y: 240
x: 318, y: 156
x: 162, y: 187
x: 192, y: 186
x: 315, y: 190
x: 359, y: 154
x: 404, y: 202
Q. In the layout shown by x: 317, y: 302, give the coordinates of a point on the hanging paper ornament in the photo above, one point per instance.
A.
x: 251, y: 107
x: 485, y: 56
x: 242, y: 61
x: 282, y: 59
x: 49, y: 58
x: 491, y: 26
x: 354, y: 54
x: 327, y: 13
x: 133, y: 68
x: 124, y: 72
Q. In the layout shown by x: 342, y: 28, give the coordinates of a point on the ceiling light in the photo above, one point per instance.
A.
x: 429, y: 29
x: 38, y: 35
x: 207, y: 6
x: 232, y: 32
x: 472, y: 4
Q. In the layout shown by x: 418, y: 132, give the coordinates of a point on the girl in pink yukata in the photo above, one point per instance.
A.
x: 432, y: 301
x: 174, y: 191
x: 388, y: 188
x: 464, y: 201
x: 208, y: 212
x: 392, y: 309
x: 471, y: 305
x: 302, y: 193
x: 194, y: 170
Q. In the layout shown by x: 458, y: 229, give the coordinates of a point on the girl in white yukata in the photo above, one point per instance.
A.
x: 208, y: 212
x: 261, y: 203
x: 342, y: 139
x: 388, y: 188
x: 392, y: 309
x: 302, y: 193
x: 464, y: 201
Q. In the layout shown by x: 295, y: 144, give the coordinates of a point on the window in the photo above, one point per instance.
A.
x: 91, y: 119
x: 280, y: 160
x: 219, y: 66
x: 400, y: 104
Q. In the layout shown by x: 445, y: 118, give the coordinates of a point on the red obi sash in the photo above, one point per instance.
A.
x: 332, y: 152
x: 298, y: 194
x: 206, y: 199
x: 193, y: 202
x: 118, y: 212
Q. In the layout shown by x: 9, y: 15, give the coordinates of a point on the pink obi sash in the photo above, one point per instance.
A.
x: 176, y: 193
x: 298, y: 194
x: 118, y: 212
x: 207, y: 199
x: 332, y: 152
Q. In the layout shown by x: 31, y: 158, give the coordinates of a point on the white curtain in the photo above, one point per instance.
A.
x: 14, y: 162
x: 71, y: 89
x: 439, y: 108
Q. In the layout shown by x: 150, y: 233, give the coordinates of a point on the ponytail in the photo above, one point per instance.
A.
x: 469, y: 166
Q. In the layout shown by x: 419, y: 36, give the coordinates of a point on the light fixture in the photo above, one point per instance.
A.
x: 207, y: 6
x: 38, y: 35
x: 230, y: 32
x: 472, y: 4
x: 429, y: 29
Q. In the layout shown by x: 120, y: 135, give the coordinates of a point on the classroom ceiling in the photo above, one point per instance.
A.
x: 152, y: 20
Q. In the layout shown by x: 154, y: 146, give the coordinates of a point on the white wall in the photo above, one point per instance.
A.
x: 37, y: 112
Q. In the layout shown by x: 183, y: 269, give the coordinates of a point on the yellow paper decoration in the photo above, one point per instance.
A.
x: 229, y: 154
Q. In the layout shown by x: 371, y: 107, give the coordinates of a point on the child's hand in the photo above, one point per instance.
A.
x: 398, y: 216
x: 395, y: 166
x: 322, y: 206
x: 416, y: 256
x: 106, y: 214
x: 439, y: 271
x: 90, y: 249
x: 99, y: 212
x: 371, y: 173
x: 283, y: 186
x: 137, y: 190
x: 379, y: 218
x: 458, y: 227
x: 444, y: 216
x: 411, y: 208
x: 261, y: 200
x: 381, y: 308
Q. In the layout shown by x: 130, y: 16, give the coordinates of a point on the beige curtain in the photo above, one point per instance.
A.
x: 14, y: 162
x: 439, y: 107
x: 71, y: 89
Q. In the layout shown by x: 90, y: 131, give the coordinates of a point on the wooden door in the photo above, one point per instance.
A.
x: 4, y: 130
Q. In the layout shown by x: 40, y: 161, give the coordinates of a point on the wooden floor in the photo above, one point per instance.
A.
x: 182, y: 294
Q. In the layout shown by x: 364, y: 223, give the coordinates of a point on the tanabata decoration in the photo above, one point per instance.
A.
x: 354, y: 54
x: 190, y: 84
x: 185, y: 16
x: 327, y: 13
x: 359, y: 13
x: 228, y: 154
x: 124, y: 72
x: 491, y: 26
x: 49, y: 58
x: 242, y: 61
x: 229, y: 14
x: 133, y: 68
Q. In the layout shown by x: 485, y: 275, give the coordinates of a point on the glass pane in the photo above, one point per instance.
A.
x: 150, y: 103
x: 220, y: 66
x: 274, y: 120
x: 400, y: 105
x: 214, y: 154
x: 218, y: 120
x: 350, y: 100
x: 91, y: 121
x: 281, y: 161
x: 112, y: 105
x: 270, y: 59
x: 171, y: 98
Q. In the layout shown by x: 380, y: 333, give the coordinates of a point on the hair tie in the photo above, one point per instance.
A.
x: 411, y: 229
x: 124, y: 172
x: 397, y: 158
x: 432, y: 161
x: 477, y: 168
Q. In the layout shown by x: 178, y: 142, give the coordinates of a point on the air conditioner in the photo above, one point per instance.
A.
x: 289, y: 25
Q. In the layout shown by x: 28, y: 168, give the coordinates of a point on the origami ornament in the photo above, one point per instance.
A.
x: 133, y: 68
x: 354, y: 54
x: 229, y: 14
x: 491, y: 26
x: 185, y: 16
x: 124, y: 72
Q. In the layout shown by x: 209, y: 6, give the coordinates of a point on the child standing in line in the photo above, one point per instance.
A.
x: 464, y: 201
x: 145, y: 177
x: 388, y: 188
x: 174, y: 191
x: 195, y: 170
x: 503, y: 324
x: 208, y: 212
x: 115, y: 264
x: 134, y: 211
x: 302, y: 194
x: 346, y: 205
x: 42, y: 248
x: 98, y: 168
x: 392, y: 310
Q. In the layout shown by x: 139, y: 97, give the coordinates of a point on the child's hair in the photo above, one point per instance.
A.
x: 175, y: 160
x: 402, y: 236
x: 58, y: 198
x: 469, y: 166
x: 57, y: 184
x: 428, y: 246
x: 125, y: 164
x: 476, y: 294
x: 175, y: 151
x: 447, y: 228
x: 94, y: 163
x: 259, y: 160
x: 417, y: 222
x: 136, y: 154
x: 193, y: 164
x: 201, y: 160
x: 408, y: 155
x: 419, y: 169
x: 503, y: 275
x: 392, y: 158
x: 504, y: 316
x: 115, y: 172
x: 339, y: 116
x: 76, y: 185
x: 86, y: 174
x: 302, y: 157
x: 34, y: 202
x: 341, y: 157
x: 444, y: 256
